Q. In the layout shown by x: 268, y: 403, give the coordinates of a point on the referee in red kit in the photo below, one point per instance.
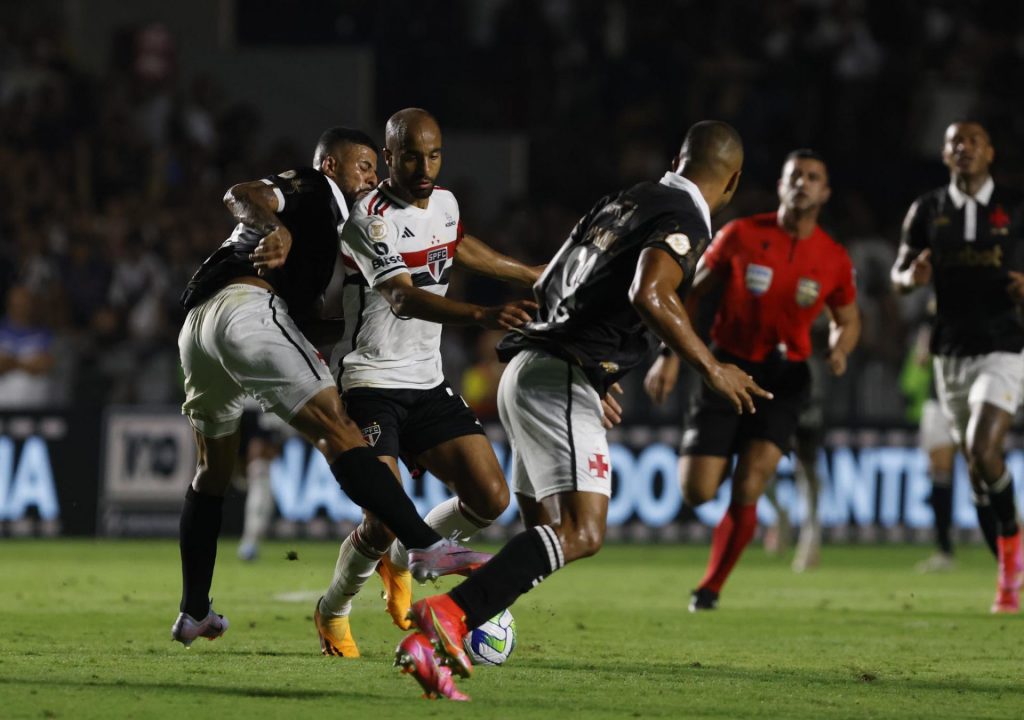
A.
x: 777, y: 270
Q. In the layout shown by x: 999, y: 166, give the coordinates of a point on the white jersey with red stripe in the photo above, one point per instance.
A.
x: 385, y: 236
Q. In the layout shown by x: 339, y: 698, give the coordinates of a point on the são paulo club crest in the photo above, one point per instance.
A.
x: 371, y: 434
x: 436, y: 259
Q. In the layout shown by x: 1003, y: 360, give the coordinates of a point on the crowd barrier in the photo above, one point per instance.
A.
x: 123, y: 471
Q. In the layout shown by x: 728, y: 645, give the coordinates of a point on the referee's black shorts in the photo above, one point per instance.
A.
x: 714, y: 428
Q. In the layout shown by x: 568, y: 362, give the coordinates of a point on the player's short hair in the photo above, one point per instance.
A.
x: 712, y: 146
x: 331, y: 138
x: 805, y: 154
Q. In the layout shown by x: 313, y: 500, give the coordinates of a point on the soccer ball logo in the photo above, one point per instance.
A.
x: 492, y: 642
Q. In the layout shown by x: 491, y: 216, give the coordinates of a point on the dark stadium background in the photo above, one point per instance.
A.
x: 122, y: 123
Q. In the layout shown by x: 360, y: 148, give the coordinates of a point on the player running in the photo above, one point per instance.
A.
x: 241, y: 337
x: 399, y: 249
x: 965, y: 238
x: 778, y: 271
x: 609, y: 293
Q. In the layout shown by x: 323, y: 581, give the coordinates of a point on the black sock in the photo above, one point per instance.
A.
x: 942, y: 504
x: 199, y: 529
x: 525, y: 560
x: 1004, y: 505
x: 371, y: 486
x: 986, y: 521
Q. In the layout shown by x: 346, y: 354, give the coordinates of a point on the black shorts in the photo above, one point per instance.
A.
x: 714, y: 428
x: 405, y: 423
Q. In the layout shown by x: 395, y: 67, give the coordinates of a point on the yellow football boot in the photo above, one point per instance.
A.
x: 397, y: 591
x: 335, y: 635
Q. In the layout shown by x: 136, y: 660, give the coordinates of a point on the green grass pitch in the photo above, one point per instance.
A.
x: 84, y: 633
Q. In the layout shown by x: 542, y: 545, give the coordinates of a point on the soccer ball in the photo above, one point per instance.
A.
x: 492, y: 642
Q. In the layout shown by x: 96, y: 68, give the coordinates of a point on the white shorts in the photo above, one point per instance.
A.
x: 936, y: 430
x: 552, y: 415
x: 965, y: 382
x: 243, y: 342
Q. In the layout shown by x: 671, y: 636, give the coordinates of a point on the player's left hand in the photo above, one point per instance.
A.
x: 836, y: 361
x: 612, y: 410
x: 272, y: 250
x: 1016, y: 286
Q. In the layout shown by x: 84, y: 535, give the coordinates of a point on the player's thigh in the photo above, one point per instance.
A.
x: 215, y: 462
x: 986, y: 432
x: 553, y: 415
x: 700, y: 477
x: 468, y: 465
x: 262, y: 349
x: 324, y: 423
x: 755, y: 468
x: 213, y: 400
x: 534, y: 512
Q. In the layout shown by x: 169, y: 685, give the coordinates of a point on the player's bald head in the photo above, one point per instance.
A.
x: 711, y: 149
x: 408, y: 123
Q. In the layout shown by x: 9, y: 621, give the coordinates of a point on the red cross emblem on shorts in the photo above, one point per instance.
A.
x: 598, y: 466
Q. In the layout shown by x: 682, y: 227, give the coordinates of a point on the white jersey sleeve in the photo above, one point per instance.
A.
x: 371, y: 242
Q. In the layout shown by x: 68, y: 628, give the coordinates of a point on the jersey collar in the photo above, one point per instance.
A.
x: 678, y: 182
x: 338, y: 198
x: 983, y: 195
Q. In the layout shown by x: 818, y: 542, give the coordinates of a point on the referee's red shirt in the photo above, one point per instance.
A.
x: 775, y: 286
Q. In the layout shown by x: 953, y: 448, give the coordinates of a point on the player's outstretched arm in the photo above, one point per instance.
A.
x: 474, y: 255
x: 407, y: 300
x: 254, y: 204
x: 653, y: 294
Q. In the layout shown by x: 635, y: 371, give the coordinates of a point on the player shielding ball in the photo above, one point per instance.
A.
x: 606, y: 297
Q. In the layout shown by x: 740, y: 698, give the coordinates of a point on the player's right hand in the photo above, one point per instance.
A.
x: 272, y: 250
x: 661, y: 378
x: 736, y: 386
x: 508, y: 316
x: 921, y: 269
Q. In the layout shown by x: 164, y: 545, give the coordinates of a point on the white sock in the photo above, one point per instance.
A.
x: 259, y: 502
x: 447, y: 518
x: 353, y: 569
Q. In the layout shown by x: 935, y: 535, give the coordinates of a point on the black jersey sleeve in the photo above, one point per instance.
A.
x: 684, y: 240
x: 296, y: 187
x: 915, y: 225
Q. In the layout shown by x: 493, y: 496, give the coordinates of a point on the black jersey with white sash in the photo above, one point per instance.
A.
x: 585, y: 315
x: 312, y: 208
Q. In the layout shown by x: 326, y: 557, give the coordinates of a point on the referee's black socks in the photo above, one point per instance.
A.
x: 371, y: 485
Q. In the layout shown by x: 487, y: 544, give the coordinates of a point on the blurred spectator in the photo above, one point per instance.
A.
x: 25, y: 357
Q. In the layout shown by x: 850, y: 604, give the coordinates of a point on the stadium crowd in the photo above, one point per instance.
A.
x: 112, y: 184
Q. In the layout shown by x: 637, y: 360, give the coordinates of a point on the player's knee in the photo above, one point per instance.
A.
x: 488, y: 506
x: 984, y: 457
x: 375, y: 533
x: 695, y: 494
x: 584, y: 540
